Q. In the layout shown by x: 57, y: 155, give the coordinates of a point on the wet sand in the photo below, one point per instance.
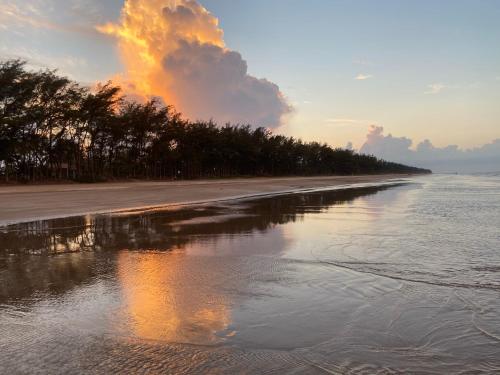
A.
x: 36, y: 202
x: 393, y: 278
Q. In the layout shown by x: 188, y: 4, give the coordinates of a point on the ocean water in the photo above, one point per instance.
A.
x: 401, y: 278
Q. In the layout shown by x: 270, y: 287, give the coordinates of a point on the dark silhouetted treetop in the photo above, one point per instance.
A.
x: 54, y: 128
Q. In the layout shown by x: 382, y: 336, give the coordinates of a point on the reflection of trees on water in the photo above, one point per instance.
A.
x: 23, y: 276
x: 25, y: 266
x: 165, y: 230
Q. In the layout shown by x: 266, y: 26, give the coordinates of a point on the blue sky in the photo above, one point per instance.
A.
x: 425, y: 69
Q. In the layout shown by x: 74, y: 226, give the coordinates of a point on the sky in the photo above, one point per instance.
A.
x: 397, y: 78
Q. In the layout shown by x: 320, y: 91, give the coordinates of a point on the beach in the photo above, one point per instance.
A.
x: 372, y: 279
x: 24, y: 203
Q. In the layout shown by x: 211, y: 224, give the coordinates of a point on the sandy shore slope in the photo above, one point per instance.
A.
x: 35, y: 202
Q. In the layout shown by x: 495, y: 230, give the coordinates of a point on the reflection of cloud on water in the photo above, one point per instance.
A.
x: 186, y: 295
x: 167, y: 298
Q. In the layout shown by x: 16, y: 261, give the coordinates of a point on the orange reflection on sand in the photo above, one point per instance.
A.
x: 165, y: 299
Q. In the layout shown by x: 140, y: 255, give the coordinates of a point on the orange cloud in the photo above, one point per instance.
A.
x: 176, y: 50
x: 362, y: 77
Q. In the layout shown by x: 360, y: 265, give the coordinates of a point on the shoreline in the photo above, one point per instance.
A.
x: 29, y: 203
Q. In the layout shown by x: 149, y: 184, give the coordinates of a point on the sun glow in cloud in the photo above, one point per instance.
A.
x: 176, y: 50
x: 363, y: 77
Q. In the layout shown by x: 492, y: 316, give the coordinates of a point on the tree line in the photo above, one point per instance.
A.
x: 53, y: 128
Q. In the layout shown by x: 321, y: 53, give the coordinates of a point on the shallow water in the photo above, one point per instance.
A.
x: 390, y: 279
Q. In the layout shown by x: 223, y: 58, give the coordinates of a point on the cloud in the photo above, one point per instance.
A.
x: 175, y: 49
x: 435, y: 88
x: 362, y: 77
x: 59, y: 15
x: 387, y: 147
x: 15, y: 14
x: 214, y: 83
x: 442, y: 159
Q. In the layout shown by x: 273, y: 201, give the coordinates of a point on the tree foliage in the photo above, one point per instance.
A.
x: 53, y: 128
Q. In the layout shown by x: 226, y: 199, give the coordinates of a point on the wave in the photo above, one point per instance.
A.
x: 351, y: 266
